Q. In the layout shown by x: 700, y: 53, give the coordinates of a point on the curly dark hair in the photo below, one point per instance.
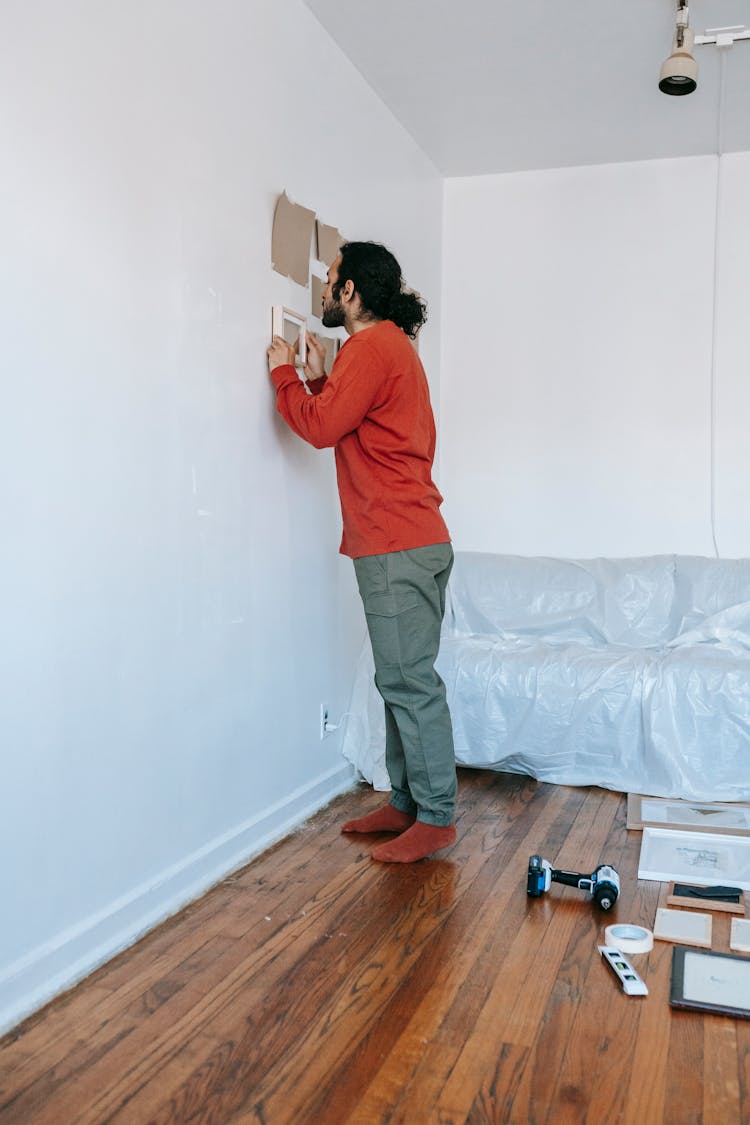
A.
x: 376, y: 276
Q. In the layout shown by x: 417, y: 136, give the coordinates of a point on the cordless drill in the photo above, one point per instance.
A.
x: 603, y: 883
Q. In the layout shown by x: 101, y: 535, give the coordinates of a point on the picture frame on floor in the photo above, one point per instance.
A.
x: 694, y: 857
x: 710, y: 982
x: 689, y: 816
x: 683, y: 927
x: 728, y: 900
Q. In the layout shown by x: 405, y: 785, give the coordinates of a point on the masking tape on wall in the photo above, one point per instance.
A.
x: 629, y: 939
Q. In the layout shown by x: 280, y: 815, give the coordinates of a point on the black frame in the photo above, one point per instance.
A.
x: 677, y: 990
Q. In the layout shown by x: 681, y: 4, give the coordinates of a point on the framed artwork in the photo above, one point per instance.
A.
x: 684, y: 927
x: 710, y: 982
x: 694, y: 857
x: 292, y: 326
x: 739, y: 937
x: 730, y: 900
x: 691, y: 816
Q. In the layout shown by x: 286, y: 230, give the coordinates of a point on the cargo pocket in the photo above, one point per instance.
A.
x: 393, y: 624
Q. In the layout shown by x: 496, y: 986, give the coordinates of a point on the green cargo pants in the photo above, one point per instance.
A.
x: 403, y: 594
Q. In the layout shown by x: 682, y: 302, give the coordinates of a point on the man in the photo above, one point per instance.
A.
x: 374, y: 409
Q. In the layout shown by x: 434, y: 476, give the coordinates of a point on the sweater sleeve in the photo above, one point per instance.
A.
x: 337, y: 404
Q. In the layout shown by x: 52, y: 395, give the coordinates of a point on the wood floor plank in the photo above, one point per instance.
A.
x: 315, y: 986
x: 513, y: 1004
x: 591, y: 989
x: 484, y: 930
x: 409, y: 891
x: 139, y: 1104
x: 66, y: 1091
x: 246, y: 964
x: 721, y: 1084
x: 482, y: 920
x: 202, y: 966
x: 534, y: 955
x: 250, y: 982
x: 650, y: 1058
x: 50, y: 1035
x: 388, y: 893
x: 580, y: 980
x: 683, y: 1093
x: 278, y: 886
x: 524, y: 1076
x: 530, y: 969
x: 320, y: 1021
x: 410, y: 1019
x: 556, y: 1038
x: 308, y: 959
x: 743, y: 1064
x: 47, y: 1039
x: 497, y: 1099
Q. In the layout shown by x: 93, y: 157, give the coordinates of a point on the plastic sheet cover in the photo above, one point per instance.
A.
x: 630, y: 674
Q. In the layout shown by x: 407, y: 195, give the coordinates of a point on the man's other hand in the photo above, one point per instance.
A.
x: 315, y: 368
x: 281, y: 353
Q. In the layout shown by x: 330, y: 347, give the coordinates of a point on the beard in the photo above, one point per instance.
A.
x: 333, y: 314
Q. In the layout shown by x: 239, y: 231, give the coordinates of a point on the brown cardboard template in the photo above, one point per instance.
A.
x: 329, y: 242
x: 292, y: 237
x: 317, y: 295
x: 331, y: 345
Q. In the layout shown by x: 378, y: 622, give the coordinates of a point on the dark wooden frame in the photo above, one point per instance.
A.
x: 698, y: 903
x: 677, y: 997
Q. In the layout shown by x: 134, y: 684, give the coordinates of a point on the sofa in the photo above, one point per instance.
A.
x: 630, y: 674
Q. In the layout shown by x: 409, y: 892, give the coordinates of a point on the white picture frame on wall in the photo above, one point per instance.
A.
x: 292, y: 327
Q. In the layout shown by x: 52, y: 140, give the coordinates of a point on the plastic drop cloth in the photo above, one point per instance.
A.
x: 631, y: 674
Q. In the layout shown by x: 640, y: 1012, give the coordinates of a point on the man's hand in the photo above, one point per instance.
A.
x: 316, y: 358
x: 280, y: 353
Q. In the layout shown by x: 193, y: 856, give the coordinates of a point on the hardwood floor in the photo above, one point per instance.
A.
x: 318, y: 986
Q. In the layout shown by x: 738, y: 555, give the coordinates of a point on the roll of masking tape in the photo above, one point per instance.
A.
x: 629, y: 939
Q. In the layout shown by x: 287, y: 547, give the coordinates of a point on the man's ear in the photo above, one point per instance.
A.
x: 348, y: 291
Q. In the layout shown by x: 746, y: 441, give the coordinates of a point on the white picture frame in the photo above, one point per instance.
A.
x: 694, y: 857
x: 739, y: 935
x: 683, y: 927
x: 691, y: 816
x: 292, y: 327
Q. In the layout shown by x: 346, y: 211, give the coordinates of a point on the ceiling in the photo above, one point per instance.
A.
x: 504, y: 85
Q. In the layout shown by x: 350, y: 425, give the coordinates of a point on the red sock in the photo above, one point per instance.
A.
x: 417, y: 842
x: 385, y: 819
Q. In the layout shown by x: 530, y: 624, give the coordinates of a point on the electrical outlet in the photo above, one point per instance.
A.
x: 323, y: 720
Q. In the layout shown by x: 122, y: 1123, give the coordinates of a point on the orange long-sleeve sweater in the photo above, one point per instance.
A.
x: 374, y: 408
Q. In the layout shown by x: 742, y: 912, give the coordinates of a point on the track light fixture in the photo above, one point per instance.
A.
x: 679, y: 73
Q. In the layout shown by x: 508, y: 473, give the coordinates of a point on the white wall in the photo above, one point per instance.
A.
x: 576, y: 377
x: 174, y: 606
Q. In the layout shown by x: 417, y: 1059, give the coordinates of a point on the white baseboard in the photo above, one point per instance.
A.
x: 71, y: 955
